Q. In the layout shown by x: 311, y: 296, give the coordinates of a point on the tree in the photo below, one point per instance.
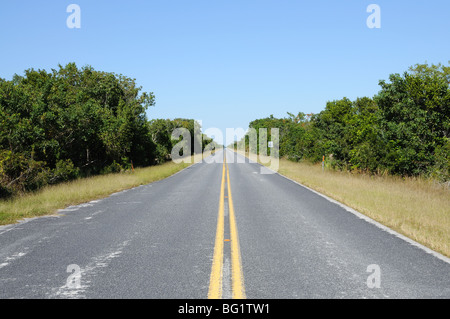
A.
x: 70, y: 122
x: 415, y: 112
x: 403, y: 130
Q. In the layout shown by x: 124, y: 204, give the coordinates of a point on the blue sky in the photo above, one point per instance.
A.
x: 230, y: 62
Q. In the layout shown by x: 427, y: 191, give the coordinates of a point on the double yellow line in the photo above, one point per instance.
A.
x: 237, y: 277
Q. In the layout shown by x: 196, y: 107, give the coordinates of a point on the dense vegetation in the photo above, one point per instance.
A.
x: 403, y: 130
x: 161, y: 131
x: 68, y: 123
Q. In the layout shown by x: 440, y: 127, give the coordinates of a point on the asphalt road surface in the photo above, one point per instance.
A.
x: 217, y: 230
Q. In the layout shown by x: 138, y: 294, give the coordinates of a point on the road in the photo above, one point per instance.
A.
x: 217, y: 230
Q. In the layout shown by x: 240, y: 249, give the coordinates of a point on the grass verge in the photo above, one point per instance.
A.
x: 415, y: 207
x: 49, y: 199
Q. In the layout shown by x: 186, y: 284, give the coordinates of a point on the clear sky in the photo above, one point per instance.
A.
x: 228, y: 62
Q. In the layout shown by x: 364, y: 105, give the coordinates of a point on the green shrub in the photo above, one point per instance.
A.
x: 113, y: 168
x: 64, y: 171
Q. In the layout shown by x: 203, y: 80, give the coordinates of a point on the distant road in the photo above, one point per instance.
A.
x: 218, y: 230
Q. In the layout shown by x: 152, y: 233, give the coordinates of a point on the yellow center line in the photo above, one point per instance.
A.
x: 237, y: 277
x: 236, y: 264
x: 215, y: 282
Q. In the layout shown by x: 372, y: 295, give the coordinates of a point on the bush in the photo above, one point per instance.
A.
x: 5, y: 192
x: 113, y: 168
x: 441, y: 169
x: 64, y: 171
x: 20, y: 174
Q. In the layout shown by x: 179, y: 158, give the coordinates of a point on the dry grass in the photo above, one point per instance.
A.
x: 49, y: 199
x: 415, y: 207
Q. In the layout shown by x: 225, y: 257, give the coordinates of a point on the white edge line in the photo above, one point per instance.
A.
x: 366, y: 218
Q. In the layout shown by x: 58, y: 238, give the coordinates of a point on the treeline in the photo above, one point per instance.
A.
x: 69, y: 123
x: 403, y: 130
x: 161, y: 133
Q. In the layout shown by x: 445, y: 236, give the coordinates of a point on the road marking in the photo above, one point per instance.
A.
x: 215, y: 282
x: 217, y: 278
x: 236, y: 264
